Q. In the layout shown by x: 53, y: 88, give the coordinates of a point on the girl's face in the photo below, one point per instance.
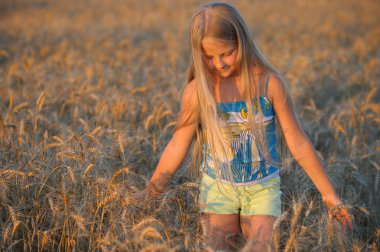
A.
x: 221, y: 56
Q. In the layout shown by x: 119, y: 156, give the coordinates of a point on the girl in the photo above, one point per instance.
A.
x: 229, y: 106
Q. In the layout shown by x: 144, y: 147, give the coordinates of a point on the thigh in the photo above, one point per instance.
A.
x: 217, y: 198
x: 257, y: 230
x: 262, y: 199
x: 220, y: 230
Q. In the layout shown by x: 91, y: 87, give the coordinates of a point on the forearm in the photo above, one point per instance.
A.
x: 170, y: 161
x: 307, y: 158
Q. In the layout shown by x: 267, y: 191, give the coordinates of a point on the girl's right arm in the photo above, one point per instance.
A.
x: 177, y: 148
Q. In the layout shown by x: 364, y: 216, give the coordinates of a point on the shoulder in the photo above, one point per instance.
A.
x: 260, y: 77
x: 189, y: 96
x: 277, y: 90
x: 190, y: 87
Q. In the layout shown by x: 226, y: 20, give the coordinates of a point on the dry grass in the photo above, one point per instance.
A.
x: 89, y: 93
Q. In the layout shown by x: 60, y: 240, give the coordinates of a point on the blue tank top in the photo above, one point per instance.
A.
x: 247, y: 165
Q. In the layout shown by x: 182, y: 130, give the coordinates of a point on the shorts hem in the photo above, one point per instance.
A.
x: 216, y: 212
x: 261, y: 213
x: 275, y: 214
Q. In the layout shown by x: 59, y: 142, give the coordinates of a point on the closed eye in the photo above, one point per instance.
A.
x: 228, y: 53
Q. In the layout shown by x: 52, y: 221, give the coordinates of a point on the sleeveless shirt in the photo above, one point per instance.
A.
x: 247, y: 165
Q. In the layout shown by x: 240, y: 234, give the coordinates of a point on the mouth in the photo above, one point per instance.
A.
x: 223, y: 69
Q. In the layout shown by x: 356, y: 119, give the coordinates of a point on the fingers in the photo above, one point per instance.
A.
x: 347, y: 217
x: 140, y: 198
x: 147, y: 198
x: 342, y: 216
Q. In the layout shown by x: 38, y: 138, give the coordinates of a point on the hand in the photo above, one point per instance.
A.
x: 140, y: 197
x: 145, y: 196
x: 337, y: 210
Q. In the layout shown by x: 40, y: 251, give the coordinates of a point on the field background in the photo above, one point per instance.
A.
x: 89, y: 96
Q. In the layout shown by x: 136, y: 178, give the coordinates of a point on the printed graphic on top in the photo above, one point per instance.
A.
x: 233, y: 120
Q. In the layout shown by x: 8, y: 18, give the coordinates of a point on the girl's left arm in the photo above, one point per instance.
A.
x: 302, y: 149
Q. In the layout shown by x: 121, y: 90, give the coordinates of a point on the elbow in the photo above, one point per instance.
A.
x: 300, y: 148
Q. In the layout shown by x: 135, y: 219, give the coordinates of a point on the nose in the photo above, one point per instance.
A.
x: 218, y: 63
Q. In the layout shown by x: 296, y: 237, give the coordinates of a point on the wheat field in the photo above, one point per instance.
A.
x: 89, y: 97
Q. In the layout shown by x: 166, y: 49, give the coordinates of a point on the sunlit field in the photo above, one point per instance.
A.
x: 90, y: 94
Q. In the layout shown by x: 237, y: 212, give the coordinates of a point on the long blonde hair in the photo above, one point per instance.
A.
x: 222, y: 21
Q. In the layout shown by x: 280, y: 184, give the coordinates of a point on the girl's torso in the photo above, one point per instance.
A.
x: 247, y: 165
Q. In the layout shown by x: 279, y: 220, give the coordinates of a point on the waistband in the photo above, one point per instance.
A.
x: 257, y: 181
x: 242, y: 174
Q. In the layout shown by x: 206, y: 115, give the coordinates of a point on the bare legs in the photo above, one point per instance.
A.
x: 257, y: 230
x: 221, y: 231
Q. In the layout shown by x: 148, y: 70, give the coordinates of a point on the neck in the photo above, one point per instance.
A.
x: 235, y: 78
x: 228, y: 89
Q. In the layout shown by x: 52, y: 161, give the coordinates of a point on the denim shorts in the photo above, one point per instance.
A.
x: 222, y: 198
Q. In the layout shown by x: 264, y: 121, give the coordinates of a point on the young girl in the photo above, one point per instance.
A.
x: 229, y: 107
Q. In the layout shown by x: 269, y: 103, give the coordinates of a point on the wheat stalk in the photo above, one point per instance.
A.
x: 39, y: 104
x: 46, y: 237
x: 147, y: 222
x: 14, y: 219
x: 88, y: 169
x: 2, y: 129
x: 118, y: 173
x: 107, y: 199
x: 150, y: 232
x: 292, y: 243
x: 11, y: 173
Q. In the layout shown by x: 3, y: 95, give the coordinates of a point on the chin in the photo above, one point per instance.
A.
x: 226, y: 74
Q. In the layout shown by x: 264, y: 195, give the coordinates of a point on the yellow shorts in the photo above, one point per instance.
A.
x: 222, y: 198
